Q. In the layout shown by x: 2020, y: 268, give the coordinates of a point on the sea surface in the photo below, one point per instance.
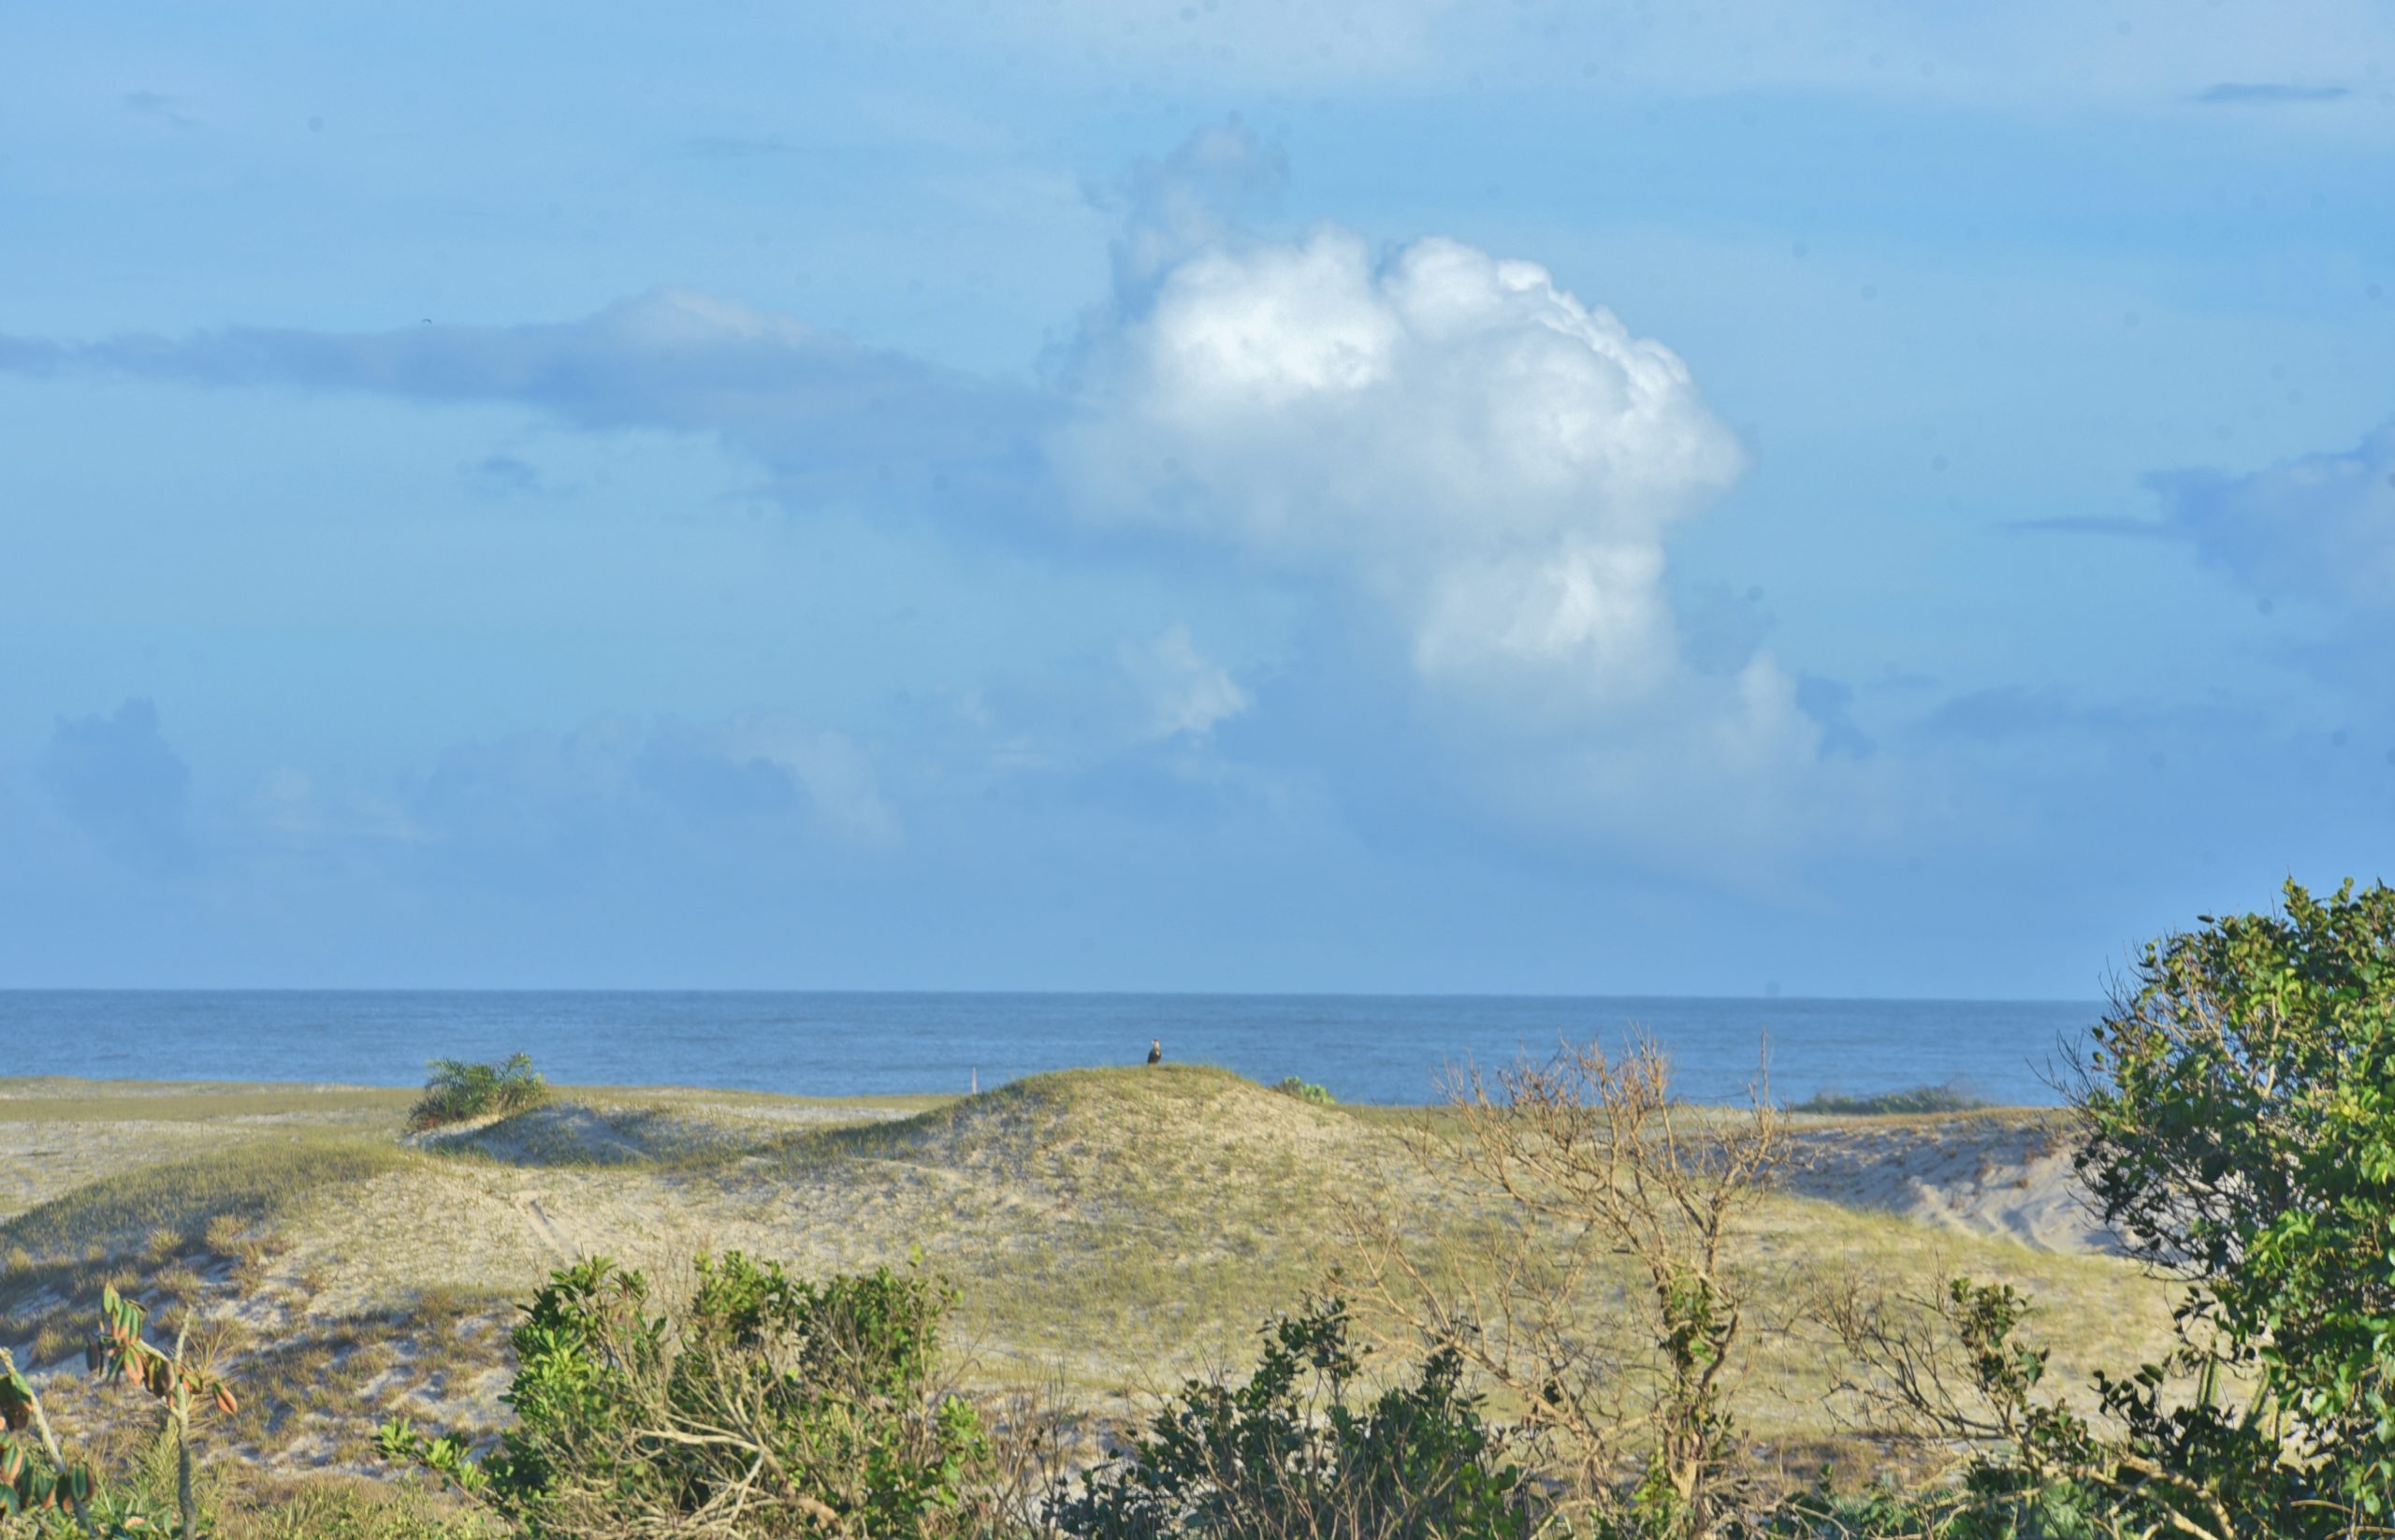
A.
x: 1362, y: 1048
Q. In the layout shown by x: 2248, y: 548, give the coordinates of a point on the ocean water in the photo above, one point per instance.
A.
x: 1364, y: 1048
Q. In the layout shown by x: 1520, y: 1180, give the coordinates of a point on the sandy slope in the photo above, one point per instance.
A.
x: 2004, y: 1174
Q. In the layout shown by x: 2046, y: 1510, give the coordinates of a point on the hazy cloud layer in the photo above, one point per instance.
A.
x: 1472, y: 476
x: 1449, y: 436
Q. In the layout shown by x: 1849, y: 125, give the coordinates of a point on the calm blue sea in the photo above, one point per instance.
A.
x: 1364, y: 1048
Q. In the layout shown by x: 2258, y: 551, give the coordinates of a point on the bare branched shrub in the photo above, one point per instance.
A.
x: 1604, y: 1295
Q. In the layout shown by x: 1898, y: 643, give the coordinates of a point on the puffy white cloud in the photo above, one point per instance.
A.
x: 1308, y: 400
x: 1494, y: 466
x: 1495, y: 460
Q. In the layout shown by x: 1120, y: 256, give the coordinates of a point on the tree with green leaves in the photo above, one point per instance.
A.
x: 2241, y: 1112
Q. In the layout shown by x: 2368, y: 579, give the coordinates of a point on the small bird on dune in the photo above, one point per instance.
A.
x: 1155, y: 1051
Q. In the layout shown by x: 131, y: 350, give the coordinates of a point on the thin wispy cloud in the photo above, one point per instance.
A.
x: 1480, y: 470
x: 831, y: 419
x: 2269, y: 94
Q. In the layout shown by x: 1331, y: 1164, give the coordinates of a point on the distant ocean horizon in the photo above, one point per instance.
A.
x: 1364, y: 1048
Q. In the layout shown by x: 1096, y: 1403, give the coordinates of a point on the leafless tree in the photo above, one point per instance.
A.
x: 1603, y: 1292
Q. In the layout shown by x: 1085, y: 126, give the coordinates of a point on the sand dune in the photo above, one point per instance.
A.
x: 2001, y: 1174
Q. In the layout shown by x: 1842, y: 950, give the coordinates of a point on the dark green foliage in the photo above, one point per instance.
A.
x: 2160, y: 1461
x: 1916, y: 1100
x: 2242, y: 1112
x: 1306, y: 1091
x: 765, y: 1405
x: 1290, y: 1454
x: 457, y: 1090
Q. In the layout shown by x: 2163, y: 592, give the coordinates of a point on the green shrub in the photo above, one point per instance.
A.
x: 1914, y: 1101
x: 764, y: 1404
x: 1289, y: 1453
x: 1306, y: 1091
x: 2240, y: 1103
x: 458, y: 1090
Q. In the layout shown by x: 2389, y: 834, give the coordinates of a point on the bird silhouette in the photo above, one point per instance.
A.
x: 1155, y: 1051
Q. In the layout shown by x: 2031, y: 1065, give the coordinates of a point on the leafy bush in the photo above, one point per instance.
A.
x: 1288, y: 1454
x: 765, y: 1405
x: 1306, y: 1091
x: 2239, y: 1113
x: 458, y: 1090
x: 2241, y: 1107
x: 1912, y: 1101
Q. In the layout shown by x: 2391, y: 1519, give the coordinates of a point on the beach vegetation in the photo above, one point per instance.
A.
x: 2239, y: 1107
x: 1305, y: 1091
x: 760, y: 1404
x: 1296, y: 1450
x: 457, y: 1091
x: 1610, y: 1303
x: 1912, y: 1101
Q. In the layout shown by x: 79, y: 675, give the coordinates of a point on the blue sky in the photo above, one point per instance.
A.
x: 1846, y: 497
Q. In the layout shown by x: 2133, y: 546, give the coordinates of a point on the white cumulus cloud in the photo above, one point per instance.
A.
x: 1495, y: 461
x: 1497, y: 467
